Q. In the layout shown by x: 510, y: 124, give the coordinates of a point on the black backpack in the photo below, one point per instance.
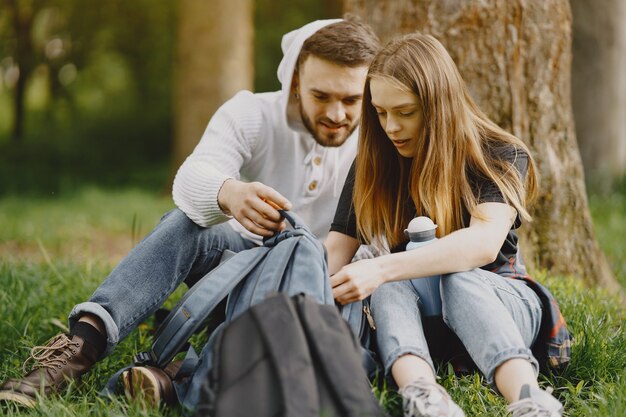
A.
x: 290, y: 357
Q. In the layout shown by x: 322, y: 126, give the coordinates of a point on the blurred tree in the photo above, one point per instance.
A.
x: 18, y: 44
x: 60, y: 38
x: 213, y: 62
x: 145, y: 37
x: 599, y: 88
x: 79, y: 84
x: 515, y: 56
x: 274, y: 18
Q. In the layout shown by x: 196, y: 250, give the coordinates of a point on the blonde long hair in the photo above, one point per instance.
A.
x: 458, y: 140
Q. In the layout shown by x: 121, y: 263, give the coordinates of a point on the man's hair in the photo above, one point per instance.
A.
x: 350, y: 42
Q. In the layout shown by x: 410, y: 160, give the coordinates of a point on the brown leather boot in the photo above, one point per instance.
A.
x: 54, y: 365
x: 154, y: 385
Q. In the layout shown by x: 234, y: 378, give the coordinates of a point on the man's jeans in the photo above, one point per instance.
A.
x: 176, y: 250
x: 496, y: 318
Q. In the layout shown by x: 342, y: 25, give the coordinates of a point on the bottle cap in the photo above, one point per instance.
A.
x: 421, y: 229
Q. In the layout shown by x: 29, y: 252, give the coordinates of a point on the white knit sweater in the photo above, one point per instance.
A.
x: 248, y: 138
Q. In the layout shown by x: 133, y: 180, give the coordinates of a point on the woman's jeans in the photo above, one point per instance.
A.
x: 495, y: 318
x: 176, y: 250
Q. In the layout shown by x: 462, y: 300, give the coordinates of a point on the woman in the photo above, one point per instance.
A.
x: 426, y: 149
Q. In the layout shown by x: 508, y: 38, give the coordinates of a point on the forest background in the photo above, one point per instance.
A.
x: 91, y: 101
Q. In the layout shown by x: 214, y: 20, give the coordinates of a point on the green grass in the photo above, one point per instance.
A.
x: 54, y: 252
x: 609, y: 217
x: 86, y: 227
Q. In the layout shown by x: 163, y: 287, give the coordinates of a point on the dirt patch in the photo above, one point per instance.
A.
x: 98, y: 247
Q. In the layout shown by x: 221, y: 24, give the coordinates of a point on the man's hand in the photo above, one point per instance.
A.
x: 253, y: 205
x: 356, y: 281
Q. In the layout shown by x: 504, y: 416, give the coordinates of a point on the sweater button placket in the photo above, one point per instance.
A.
x: 313, y: 184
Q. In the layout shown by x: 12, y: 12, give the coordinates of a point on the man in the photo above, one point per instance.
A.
x: 291, y: 148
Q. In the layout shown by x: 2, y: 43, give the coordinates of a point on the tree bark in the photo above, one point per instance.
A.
x: 213, y: 62
x: 515, y: 56
x: 599, y: 87
x: 21, y: 18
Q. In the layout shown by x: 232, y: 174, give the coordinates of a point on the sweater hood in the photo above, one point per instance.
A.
x: 291, y: 45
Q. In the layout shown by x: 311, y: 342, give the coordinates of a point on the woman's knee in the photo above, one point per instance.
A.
x: 460, y: 291
x: 390, y: 292
x: 454, y: 285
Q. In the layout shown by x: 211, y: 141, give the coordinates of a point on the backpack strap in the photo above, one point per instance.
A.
x: 358, y: 316
x: 283, y: 335
x: 293, y: 219
x: 278, y: 330
x: 109, y: 389
x: 196, y: 305
x: 340, y: 366
x: 198, y: 302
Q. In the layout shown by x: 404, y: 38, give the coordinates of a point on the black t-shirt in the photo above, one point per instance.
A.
x: 485, y: 189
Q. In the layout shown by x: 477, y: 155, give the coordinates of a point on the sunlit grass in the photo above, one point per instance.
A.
x: 42, y: 276
x: 59, y: 219
x: 86, y: 226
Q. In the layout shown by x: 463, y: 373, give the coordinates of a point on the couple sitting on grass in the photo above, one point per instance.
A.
x: 424, y: 149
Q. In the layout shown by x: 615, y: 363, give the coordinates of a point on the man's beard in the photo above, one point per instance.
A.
x: 332, y: 140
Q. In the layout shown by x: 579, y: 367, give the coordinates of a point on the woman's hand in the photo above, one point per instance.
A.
x: 340, y: 249
x: 357, y: 280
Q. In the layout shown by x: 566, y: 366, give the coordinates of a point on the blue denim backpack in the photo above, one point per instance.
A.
x: 291, y: 262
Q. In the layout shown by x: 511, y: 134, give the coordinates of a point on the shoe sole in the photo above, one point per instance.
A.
x: 18, y: 398
x: 140, y: 383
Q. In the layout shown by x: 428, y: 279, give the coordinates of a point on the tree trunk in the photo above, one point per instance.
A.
x: 599, y: 87
x: 21, y: 19
x: 333, y: 8
x: 515, y: 56
x: 213, y: 62
x: 18, y: 107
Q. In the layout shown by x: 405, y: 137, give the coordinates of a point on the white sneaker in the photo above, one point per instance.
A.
x: 535, y: 402
x: 426, y: 399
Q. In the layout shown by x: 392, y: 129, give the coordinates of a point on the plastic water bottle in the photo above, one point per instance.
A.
x: 422, y: 231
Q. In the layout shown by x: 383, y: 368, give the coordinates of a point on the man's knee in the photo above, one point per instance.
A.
x: 175, y: 219
x: 176, y: 225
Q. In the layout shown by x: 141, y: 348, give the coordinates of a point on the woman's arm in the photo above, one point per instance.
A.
x: 465, y: 249
x: 340, y: 249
